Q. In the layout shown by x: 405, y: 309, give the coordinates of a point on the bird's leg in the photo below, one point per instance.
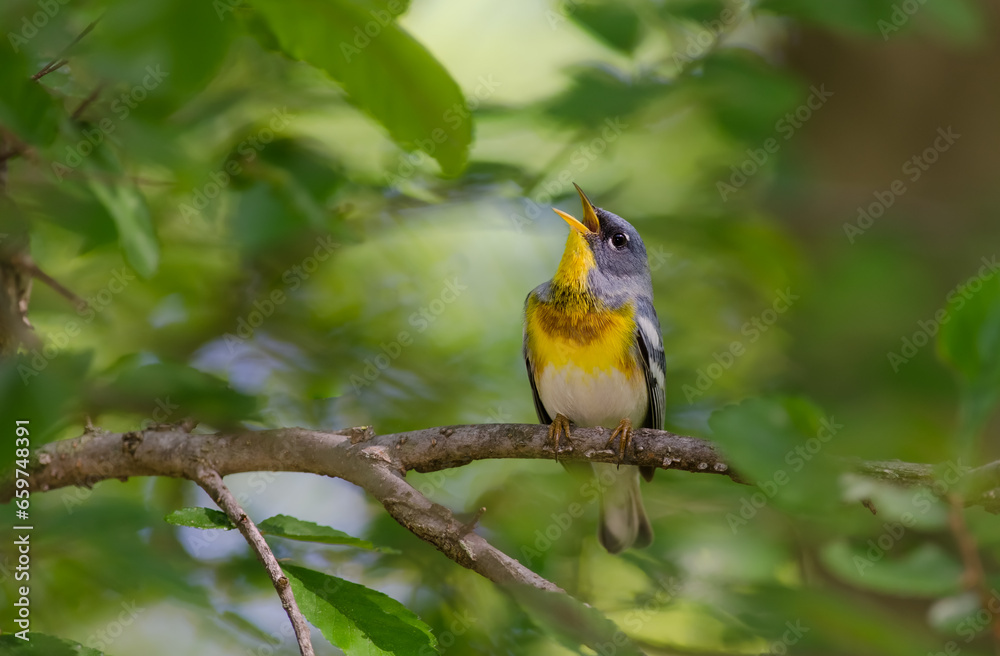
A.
x: 558, y: 429
x: 624, y: 436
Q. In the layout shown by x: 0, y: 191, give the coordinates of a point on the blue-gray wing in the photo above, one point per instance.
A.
x: 543, y: 416
x: 650, y: 341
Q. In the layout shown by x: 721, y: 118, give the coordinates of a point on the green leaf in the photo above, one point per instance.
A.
x: 960, y: 20
x: 42, y: 644
x: 147, y: 51
x: 127, y: 206
x: 842, y: 622
x: 383, y: 69
x: 853, y: 16
x: 200, y: 518
x: 179, y: 390
x: 701, y: 11
x: 600, y: 94
x: 283, y: 526
x: 615, y: 24
x: 779, y: 444
x: 969, y: 342
x: 925, y: 571
x: 357, y: 619
x: 25, y: 107
x: 570, y: 621
x: 747, y: 96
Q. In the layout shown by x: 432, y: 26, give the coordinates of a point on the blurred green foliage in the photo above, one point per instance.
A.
x: 328, y: 213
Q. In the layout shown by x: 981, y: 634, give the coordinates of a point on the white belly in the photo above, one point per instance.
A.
x: 600, y: 398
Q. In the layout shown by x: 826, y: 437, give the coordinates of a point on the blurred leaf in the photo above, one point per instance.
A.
x: 570, y: 621
x: 617, y: 25
x: 26, y: 108
x: 602, y: 95
x: 256, y: 218
x: 200, y: 518
x: 389, y: 75
x: 147, y: 49
x: 74, y: 207
x: 43, y: 385
x: 702, y: 11
x: 41, y: 644
x: 924, y: 571
x: 177, y: 390
x: 951, y: 613
x: 359, y: 620
x: 969, y: 342
x: 748, y: 97
x: 827, y: 620
x: 288, y: 193
x: 127, y: 206
x: 960, y: 20
x: 759, y: 434
x: 121, y: 557
x: 283, y: 526
x: 855, y: 16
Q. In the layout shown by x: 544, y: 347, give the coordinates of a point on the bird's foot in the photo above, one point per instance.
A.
x: 624, y: 436
x: 558, y: 429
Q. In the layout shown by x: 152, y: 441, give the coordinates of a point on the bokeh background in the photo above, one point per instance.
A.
x: 348, y: 240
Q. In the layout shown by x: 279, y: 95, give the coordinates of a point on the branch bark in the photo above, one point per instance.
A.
x: 211, y: 482
x: 378, y: 464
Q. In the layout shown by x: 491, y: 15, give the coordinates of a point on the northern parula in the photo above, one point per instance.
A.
x: 594, y: 352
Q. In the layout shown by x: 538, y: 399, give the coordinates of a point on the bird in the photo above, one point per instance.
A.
x: 593, y: 349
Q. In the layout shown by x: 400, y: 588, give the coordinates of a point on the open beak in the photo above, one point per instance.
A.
x: 590, y: 223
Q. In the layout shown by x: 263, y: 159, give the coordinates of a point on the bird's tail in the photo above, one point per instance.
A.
x: 623, y: 521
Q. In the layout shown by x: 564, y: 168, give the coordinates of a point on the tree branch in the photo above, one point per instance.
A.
x: 211, y: 482
x: 378, y: 464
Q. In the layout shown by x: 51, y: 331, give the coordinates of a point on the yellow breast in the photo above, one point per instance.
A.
x: 580, y: 334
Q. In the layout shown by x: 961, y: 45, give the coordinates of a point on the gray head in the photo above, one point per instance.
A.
x: 620, y: 267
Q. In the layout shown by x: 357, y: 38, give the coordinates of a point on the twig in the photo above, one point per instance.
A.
x: 86, y: 101
x: 28, y: 265
x: 974, y: 577
x: 211, y: 482
x: 53, y: 65
x: 59, y: 61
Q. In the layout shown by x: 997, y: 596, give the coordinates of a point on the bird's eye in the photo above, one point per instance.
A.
x: 619, y: 239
